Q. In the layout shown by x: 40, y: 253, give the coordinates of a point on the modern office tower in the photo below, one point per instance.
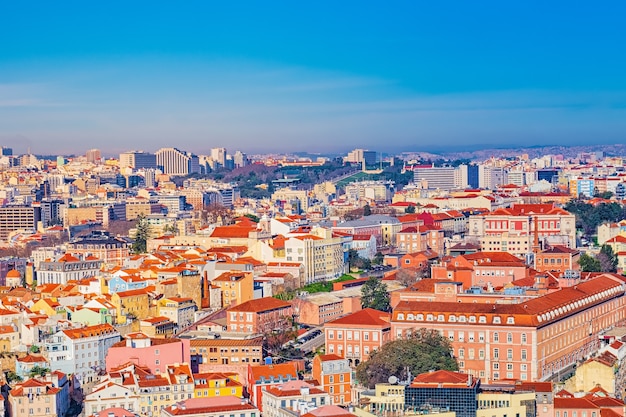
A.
x: 6, y: 151
x: 93, y: 155
x: 138, y: 160
x: 218, y: 155
x: 549, y: 175
x: 175, y: 162
x: 362, y: 155
x: 492, y: 177
x: 149, y: 177
x: 444, y: 178
x: 50, y: 212
x: 206, y: 163
x: 55, y: 181
x: 240, y: 159
x: 14, y: 218
x: 472, y: 176
x: 516, y: 176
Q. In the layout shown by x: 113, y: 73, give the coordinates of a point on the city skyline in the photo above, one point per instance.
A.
x: 310, y: 78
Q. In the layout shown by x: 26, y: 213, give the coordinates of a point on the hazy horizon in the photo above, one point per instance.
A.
x: 321, y: 77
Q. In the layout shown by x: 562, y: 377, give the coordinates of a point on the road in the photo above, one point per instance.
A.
x: 312, y: 344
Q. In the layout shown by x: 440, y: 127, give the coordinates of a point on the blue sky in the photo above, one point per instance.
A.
x: 310, y: 76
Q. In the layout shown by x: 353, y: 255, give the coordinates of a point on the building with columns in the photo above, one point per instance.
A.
x: 176, y: 162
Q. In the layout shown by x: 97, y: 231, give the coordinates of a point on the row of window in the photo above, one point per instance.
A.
x: 356, y: 334
x: 495, y: 337
x: 453, y: 318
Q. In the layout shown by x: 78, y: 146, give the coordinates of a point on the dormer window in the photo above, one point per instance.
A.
x: 452, y: 319
x: 510, y: 320
x: 496, y: 320
x: 472, y: 319
x: 419, y: 317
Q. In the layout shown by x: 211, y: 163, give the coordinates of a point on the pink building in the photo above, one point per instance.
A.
x: 358, y: 334
x: 528, y: 341
x: 154, y: 354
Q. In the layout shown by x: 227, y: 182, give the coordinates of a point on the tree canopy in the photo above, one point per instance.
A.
x: 589, y: 216
x: 374, y: 295
x: 422, y: 351
x: 604, y: 261
x: 142, y: 233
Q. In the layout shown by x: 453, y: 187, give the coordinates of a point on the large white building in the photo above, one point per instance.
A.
x: 81, y: 352
x: 175, y: 162
x: 320, y: 254
x: 67, y: 268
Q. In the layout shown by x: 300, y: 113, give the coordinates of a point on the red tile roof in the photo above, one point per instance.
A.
x: 445, y: 378
x: 284, y: 370
x: 365, y: 317
x: 260, y: 305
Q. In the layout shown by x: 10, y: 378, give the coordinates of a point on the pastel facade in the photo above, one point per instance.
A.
x: 81, y: 352
x: 529, y: 341
x: 514, y: 229
x: 236, y: 287
x: 207, y: 353
x: 259, y: 316
x: 179, y: 310
x: 334, y: 375
x: 152, y: 354
x: 217, y: 384
x: 67, y: 268
x: 358, y: 334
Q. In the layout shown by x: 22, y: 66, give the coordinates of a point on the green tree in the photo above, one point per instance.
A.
x: 252, y: 217
x: 607, y: 259
x: 142, y: 232
x: 422, y: 351
x: 12, y: 377
x: 589, y: 263
x: 367, y: 210
x: 34, y: 349
x: 378, y: 258
x: 374, y: 295
x: 410, y: 209
x: 38, y: 371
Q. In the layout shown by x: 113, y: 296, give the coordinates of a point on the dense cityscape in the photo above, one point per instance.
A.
x: 312, y: 209
x: 167, y: 283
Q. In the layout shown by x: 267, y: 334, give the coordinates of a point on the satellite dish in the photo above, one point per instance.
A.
x: 393, y: 380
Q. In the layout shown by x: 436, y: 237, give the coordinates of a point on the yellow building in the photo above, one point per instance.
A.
x: 504, y: 404
x: 596, y: 371
x: 48, y: 307
x: 133, y: 303
x: 237, y: 287
x: 386, y: 398
x: 217, y: 385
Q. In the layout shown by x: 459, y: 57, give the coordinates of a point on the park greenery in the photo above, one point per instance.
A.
x: 604, y: 261
x: 312, y: 288
x: 422, y: 351
x: 589, y: 216
x: 374, y: 295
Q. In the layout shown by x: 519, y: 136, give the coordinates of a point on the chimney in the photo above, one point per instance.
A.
x: 536, y: 246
